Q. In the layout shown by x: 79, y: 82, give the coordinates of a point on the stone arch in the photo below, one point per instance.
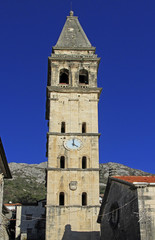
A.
x: 83, y: 76
x: 62, y: 162
x: 59, y: 160
x: 61, y: 199
x: 84, y: 199
x: 84, y: 162
x: 64, y: 76
x: 84, y: 127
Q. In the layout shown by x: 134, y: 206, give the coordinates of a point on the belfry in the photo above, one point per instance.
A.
x: 73, y: 138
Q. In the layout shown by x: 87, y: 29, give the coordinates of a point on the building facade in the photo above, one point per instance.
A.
x: 30, y: 221
x: 72, y: 141
x: 128, y: 208
x: 4, y: 174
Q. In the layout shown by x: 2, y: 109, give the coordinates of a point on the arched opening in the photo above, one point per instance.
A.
x: 84, y: 162
x: 62, y: 162
x: 83, y: 76
x: 64, y: 76
x: 84, y: 127
x: 63, y: 125
x: 114, y: 215
x: 84, y: 199
x: 61, y: 199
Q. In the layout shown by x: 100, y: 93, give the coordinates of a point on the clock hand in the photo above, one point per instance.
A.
x: 73, y: 143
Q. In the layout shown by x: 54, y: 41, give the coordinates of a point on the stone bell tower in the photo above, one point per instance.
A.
x: 72, y: 141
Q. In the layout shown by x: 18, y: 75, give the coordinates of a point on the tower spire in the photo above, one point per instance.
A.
x: 71, y: 13
x: 73, y: 35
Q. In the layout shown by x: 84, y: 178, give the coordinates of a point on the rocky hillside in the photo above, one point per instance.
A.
x: 117, y: 169
x: 28, y: 182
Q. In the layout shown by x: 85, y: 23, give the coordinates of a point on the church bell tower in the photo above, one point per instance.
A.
x: 72, y: 141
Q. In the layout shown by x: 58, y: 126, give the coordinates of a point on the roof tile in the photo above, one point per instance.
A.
x: 132, y: 179
x: 12, y: 204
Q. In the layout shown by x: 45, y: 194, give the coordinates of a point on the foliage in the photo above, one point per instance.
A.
x: 23, y: 190
x: 28, y: 183
x: 102, y: 189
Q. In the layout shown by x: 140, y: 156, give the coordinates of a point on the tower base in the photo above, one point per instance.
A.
x: 72, y: 223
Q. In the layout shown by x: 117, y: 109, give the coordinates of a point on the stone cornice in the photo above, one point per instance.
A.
x: 73, y: 169
x: 75, y: 48
x: 60, y: 57
x: 69, y: 89
x: 74, y: 134
x: 74, y: 206
x: 73, y: 99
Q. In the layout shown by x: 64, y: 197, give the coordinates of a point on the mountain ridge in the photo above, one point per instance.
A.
x: 28, y: 180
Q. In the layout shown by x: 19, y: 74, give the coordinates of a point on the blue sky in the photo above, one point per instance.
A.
x: 124, y: 35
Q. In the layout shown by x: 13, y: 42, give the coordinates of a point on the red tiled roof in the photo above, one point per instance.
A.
x: 131, y: 179
x: 12, y: 204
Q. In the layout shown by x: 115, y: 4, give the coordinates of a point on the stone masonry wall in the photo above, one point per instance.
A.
x: 146, y: 202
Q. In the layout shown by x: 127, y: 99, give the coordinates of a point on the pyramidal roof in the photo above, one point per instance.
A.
x: 72, y: 35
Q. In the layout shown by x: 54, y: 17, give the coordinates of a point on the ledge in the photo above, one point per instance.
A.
x: 73, y: 169
x: 73, y: 99
x: 75, y: 48
x: 74, y: 134
x: 74, y: 58
x: 74, y: 206
x: 80, y: 89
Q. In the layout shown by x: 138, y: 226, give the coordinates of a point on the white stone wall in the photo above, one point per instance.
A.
x: 18, y: 221
x: 73, y: 109
x: 146, y: 201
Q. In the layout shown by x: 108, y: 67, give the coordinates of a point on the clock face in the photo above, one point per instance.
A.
x: 73, y: 144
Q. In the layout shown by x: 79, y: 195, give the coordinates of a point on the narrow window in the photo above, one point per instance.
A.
x: 61, y: 199
x: 83, y: 76
x: 114, y: 215
x: 84, y: 162
x: 29, y: 233
x: 84, y: 127
x: 64, y: 76
x: 63, y: 127
x: 62, y: 162
x: 84, y: 199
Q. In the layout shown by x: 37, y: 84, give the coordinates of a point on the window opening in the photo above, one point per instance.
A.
x: 84, y: 199
x: 64, y: 76
x: 84, y: 127
x: 83, y: 76
x: 114, y: 215
x: 61, y: 199
x: 63, y: 127
x: 84, y: 162
x: 29, y: 233
x: 62, y: 162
